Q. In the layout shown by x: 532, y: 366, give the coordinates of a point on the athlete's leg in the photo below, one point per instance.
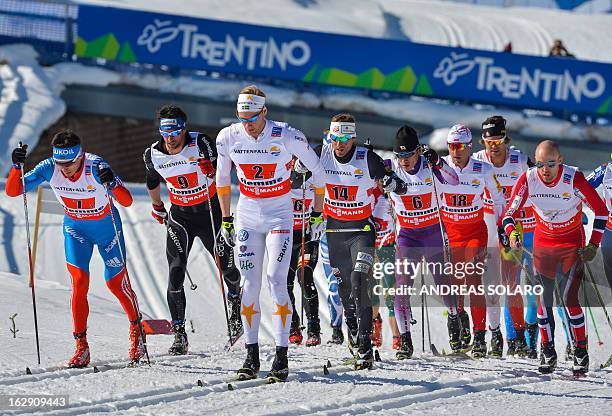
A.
x: 311, y: 296
x: 180, y: 231
x: 296, y: 252
x: 333, y: 295
x: 362, y: 254
x: 278, y: 245
x: 78, y: 249
x: 341, y: 262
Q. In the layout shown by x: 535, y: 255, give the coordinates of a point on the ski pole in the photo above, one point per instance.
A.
x: 588, y: 306
x: 177, y: 243
x: 27, y: 224
x: 218, y: 261
x: 127, y: 276
x: 303, y: 246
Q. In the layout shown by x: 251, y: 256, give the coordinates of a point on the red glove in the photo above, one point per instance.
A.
x: 206, y: 167
x: 159, y: 213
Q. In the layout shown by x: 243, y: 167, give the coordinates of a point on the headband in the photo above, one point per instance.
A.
x: 342, y: 128
x: 250, y: 103
x: 171, y: 124
x: 66, y: 154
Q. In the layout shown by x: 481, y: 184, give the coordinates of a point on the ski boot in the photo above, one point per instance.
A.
x: 479, y: 348
x: 581, y: 361
x: 406, y: 349
x: 377, y: 331
x: 81, y: 356
x: 235, y: 321
x: 520, y: 343
x: 454, y: 332
x: 511, y: 347
x: 397, y: 342
x: 497, y: 343
x: 137, y: 350
x: 295, y: 335
x: 364, y: 359
x: 466, y: 335
x: 532, y: 335
x: 314, y: 333
x: 280, y: 366
x: 337, y: 336
x: 548, y: 358
x: 353, y: 342
x: 250, y: 367
x: 180, y: 346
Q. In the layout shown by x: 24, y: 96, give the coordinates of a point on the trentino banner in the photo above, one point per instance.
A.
x: 555, y: 84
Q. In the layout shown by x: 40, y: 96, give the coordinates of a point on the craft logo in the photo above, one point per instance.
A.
x: 249, y: 53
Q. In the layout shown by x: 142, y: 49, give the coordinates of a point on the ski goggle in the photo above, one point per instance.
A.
x: 342, y: 139
x: 406, y: 155
x: 173, y: 133
x: 459, y: 146
x: 66, y: 155
x: 549, y: 164
x: 495, y: 142
x: 250, y: 119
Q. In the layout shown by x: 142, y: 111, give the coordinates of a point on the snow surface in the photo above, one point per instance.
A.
x: 422, y: 385
x: 531, y: 30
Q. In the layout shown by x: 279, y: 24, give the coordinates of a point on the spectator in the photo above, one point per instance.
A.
x: 508, y: 47
x: 558, y: 49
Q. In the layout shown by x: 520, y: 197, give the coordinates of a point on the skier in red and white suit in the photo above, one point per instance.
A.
x: 557, y: 192
x: 462, y: 208
x: 262, y: 152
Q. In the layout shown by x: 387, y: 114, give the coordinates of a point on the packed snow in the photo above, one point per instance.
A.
x: 423, y: 385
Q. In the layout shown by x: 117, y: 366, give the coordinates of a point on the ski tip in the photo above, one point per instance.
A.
x: 325, y: 370
x: 199, y: 383
x: 96, y: 369
x: 29, y: 372
x: 328, y: 364
x: 230, y: 387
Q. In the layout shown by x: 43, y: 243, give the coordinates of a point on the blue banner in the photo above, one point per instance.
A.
x: 555, y: 84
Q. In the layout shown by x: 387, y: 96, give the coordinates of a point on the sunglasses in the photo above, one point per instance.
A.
x: 406, y: 155
x: 458, y: 146
x: 495, y: 142
x: 549, y: 164
x: 341, y: 139
x: 250, y: 119
x: 173, y: 133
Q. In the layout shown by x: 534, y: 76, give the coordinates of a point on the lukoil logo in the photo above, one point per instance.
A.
x: 246, y: 52
x: 542, y: 85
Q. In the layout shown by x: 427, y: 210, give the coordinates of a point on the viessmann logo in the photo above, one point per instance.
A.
x: 542, y: 85
x: 246, y: 52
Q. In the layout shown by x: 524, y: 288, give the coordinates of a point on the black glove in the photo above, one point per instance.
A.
x: 432, y: 157
x: 503, y: 237
x: 391, y: 183
x: 19, y: 154
x: 107, y: 177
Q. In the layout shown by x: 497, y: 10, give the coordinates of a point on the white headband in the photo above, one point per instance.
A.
x: 342, y: 128
x: 250, y: 103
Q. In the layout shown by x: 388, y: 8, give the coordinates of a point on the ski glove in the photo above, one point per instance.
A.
x: 317, y: 226
x: 298, y: 167
x: 392, y: 183
x: 589, y: 252
x: 432, y: 157
x: 159, y: 213
x: 227, y: 231
x: 107, y: 177
x: 206, y: 167
x: 19, y: 155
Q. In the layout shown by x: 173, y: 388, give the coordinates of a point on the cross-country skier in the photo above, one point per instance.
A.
x: 420, y: 234
x: 385, y: 254
x: 185, y: 161
x: 603, y: 176
x: 302, y: 198
x: 462, y: 208
x: 262, y: 152
x: 557, y: 192
x: 80, y: 182
x: 352, y: 173
x: 508, y: 164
